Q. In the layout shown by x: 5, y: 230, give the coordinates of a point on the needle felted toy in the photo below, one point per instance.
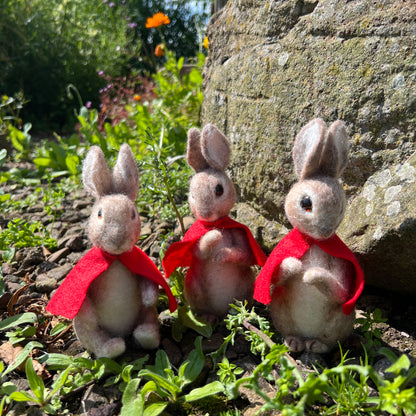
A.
x: 113, y: 290
x: 311, y: 279
x: 218, y: 250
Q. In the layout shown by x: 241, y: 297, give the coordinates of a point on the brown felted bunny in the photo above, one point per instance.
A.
x: 218, y: 250
x: 314, y: 278
x: 113, y: 290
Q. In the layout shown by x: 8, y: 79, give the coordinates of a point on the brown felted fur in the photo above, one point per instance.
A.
x: 222, y: 271
x: 118, y: 302
x: 308, y: 311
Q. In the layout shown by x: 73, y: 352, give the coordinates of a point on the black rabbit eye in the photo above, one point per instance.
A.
x: 133, y: 214
x: 100, y: 214
x: 219, y: 190
x: 306, y: 204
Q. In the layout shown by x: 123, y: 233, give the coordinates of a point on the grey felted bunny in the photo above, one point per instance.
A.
x: 112, y: 292
x: 218, y: 250
x: 315, y: 279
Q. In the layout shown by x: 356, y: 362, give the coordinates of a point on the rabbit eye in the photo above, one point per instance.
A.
x: 219, y: 190
x: 133, y: 214
x: 100, y: 214
x: 306, y: 204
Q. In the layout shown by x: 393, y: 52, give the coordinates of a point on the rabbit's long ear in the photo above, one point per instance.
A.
x: 215, y: 147
x: 308, y: 147
x: 96, y: 175
x: 194, y: 155
x: 335, y: 153
x: 125, y: 173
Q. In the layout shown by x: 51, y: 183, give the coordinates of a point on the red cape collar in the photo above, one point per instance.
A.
x: 180, y: 254
x: 296, y: 244
x: 71, y: 294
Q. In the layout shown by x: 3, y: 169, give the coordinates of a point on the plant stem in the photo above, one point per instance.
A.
x: 267, y: 340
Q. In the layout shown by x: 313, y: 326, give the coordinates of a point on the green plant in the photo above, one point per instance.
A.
x: 237, y: 321
x: 21, y: 140
x: 6, y: 389
x: 370, y: 329
x: 394, y: 397
x: 61, y: 43
x: 20, y: 233
x: 60, y: 156
x: 168, y: 386
x: 47, y: 399
x: 228, y: 372
x: 10, y: 108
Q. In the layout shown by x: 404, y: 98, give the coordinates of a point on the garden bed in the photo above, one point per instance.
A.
x: 35, y: 272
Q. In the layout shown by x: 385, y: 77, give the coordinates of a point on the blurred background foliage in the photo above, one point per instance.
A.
x: 47, y: 45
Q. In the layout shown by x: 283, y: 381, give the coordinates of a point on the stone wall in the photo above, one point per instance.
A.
x: 275, y: 65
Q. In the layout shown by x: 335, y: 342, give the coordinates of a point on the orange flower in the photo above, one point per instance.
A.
x: 206, y: 43
x: 158, y: 19
x: 137, y: 97
x: 160, y: 50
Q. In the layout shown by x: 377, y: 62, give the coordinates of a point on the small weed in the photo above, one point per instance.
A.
x: 47, y: 398
x: 370, y: 330
x: 20, y: 233
x: 167, y: 386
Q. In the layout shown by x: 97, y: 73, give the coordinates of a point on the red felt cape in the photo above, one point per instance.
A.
x: 180, y: 254
x: 295, y: 244
x: 71, y: 294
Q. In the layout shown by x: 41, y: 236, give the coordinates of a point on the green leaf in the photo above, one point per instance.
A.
x: 193, y: 365
x: 3, y: 155
x: 35, y: 382
x: 208, y: 390
x: 58, y: 384
x: 22, y: 356
x: 72, y: 162
x: 7, y: 388
x: 161, y: 382
x: 21, y: 396
x: 155, y: 409
x: 8, y: 254
x: 195, y: 76
x: 43, y: 162
x: 133, y: 404
x: 180, y: 62
x: 56, y: 361
x: 16, y: 320
x: 403, y: 363
x: 199, y: 325
x: 162, y: 362
x: 57, y: 329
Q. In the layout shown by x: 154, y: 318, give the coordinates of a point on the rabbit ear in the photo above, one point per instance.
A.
x: 215, y: 147
x: 335, y: 153
x: 125, y: 173
x: 96, y: 175
x: 194, y: 153
x: 308, y: 147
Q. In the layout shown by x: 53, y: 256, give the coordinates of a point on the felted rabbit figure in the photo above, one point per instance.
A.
x: 311, y: 278
x: 113, y: 290
x: 218, y: 250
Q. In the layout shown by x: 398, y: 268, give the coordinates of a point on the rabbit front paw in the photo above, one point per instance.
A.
x: 327, y: 283
x: 208, y: 242
x: 232, y: 255
x: 290, y: 266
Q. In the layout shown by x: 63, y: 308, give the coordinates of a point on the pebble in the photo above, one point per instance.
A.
x: 45, y: 284
x: 58, y: 255
x: 60, y: 272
